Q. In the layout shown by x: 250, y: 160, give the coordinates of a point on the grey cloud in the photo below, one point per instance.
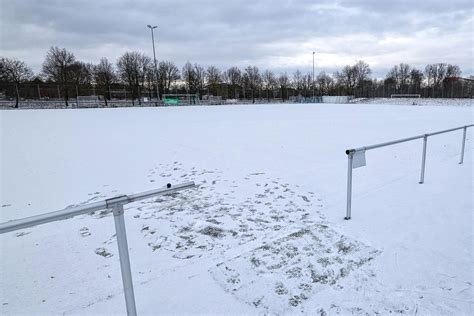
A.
x: 274, y: 34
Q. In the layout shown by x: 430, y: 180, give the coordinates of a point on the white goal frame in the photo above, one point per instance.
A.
x: 88, y: 98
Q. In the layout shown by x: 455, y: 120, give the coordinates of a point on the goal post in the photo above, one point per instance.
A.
x: 87, y: 101
x: 177, y: 99
x: 88, y: 98
x: 400, y: 95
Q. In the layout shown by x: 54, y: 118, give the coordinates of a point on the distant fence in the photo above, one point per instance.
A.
x: 337, y: 99
x: 54, y: 92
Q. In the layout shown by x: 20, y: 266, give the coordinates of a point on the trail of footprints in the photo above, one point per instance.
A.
x: 222, y: 215
x: 282, y: 275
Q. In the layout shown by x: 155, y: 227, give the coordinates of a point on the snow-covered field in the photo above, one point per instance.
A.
x: 418, y: 101
x: 263, y: 233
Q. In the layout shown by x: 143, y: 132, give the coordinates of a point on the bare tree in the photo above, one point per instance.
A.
x: 132, y: 69
x: 213, y: 79
x: 145, y: 74
x: 416, y: 80
x: 307, y: 84
x: 325, y: 83
x: 168, y: 74
x: 453, y: 72
x: 439, y: 73
x: 269, y: 81
x: 400, y: 75
x: 15, y: 71
x: 104, y: 75
x: 435, y: 75
x: 362, y: 74
x: 404, y: 76
x: 57, y: 68
x: 252, y: 80
x: 194, y: 77
x: 347, y: 78
x: 298, y: 81
x: 200, y: 74
x: 189, y: 77
x: 233, y: 77
x: 284, y: 83
x: 81, y: 73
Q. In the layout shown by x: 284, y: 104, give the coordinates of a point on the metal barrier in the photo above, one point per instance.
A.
x: 358, y: 155
x: 116, y: 204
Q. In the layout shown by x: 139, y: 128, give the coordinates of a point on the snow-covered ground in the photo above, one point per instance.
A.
x: 417, y: 101
x: 264, y: 232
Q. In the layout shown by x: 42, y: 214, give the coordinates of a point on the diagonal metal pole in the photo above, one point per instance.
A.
x: 124, y: 259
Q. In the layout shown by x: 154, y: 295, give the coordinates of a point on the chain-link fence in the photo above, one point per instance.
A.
x: 51, y: 95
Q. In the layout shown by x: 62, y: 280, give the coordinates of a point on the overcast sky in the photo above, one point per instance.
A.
x: 275, y: 34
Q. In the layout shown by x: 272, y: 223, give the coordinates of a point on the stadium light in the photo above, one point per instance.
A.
x: 313, y: 75
x: 154, y: 58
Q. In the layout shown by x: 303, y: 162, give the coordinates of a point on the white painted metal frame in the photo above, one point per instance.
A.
x: 350, y: 154
x: 116, y: 204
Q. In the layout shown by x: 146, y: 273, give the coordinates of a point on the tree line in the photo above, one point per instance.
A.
x: 135, y: 71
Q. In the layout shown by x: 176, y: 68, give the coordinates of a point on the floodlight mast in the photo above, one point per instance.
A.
x: 313, y: 75
x: 154, y: 59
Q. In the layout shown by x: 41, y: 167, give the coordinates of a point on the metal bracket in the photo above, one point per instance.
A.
x: 122, y: 199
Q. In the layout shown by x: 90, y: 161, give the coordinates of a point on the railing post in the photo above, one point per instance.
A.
x: 124, y: 259
x: 463, y: 144
x: 350, y: 155
x: 423, y: 160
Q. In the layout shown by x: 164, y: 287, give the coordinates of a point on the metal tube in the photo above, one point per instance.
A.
x: 50, y: 217
x: 167, y: 190
x: 349, y: 186
x: 408, y: 139
x: 388, y: 143
x: 83, y: 209
x: 124, y: 260
x: 423, y: 160
x: 447, y: 130
x: 463, y: 145
x: 351, y: 152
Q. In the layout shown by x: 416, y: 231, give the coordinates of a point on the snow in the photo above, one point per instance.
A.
x: 263, y: 233
x: 418, y: 101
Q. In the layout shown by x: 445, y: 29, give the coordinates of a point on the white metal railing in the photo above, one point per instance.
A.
x: 116, y: 204
x: 357, y: 155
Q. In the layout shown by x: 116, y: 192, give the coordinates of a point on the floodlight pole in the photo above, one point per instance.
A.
x: 313, y: 75
x: 154, y: 59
